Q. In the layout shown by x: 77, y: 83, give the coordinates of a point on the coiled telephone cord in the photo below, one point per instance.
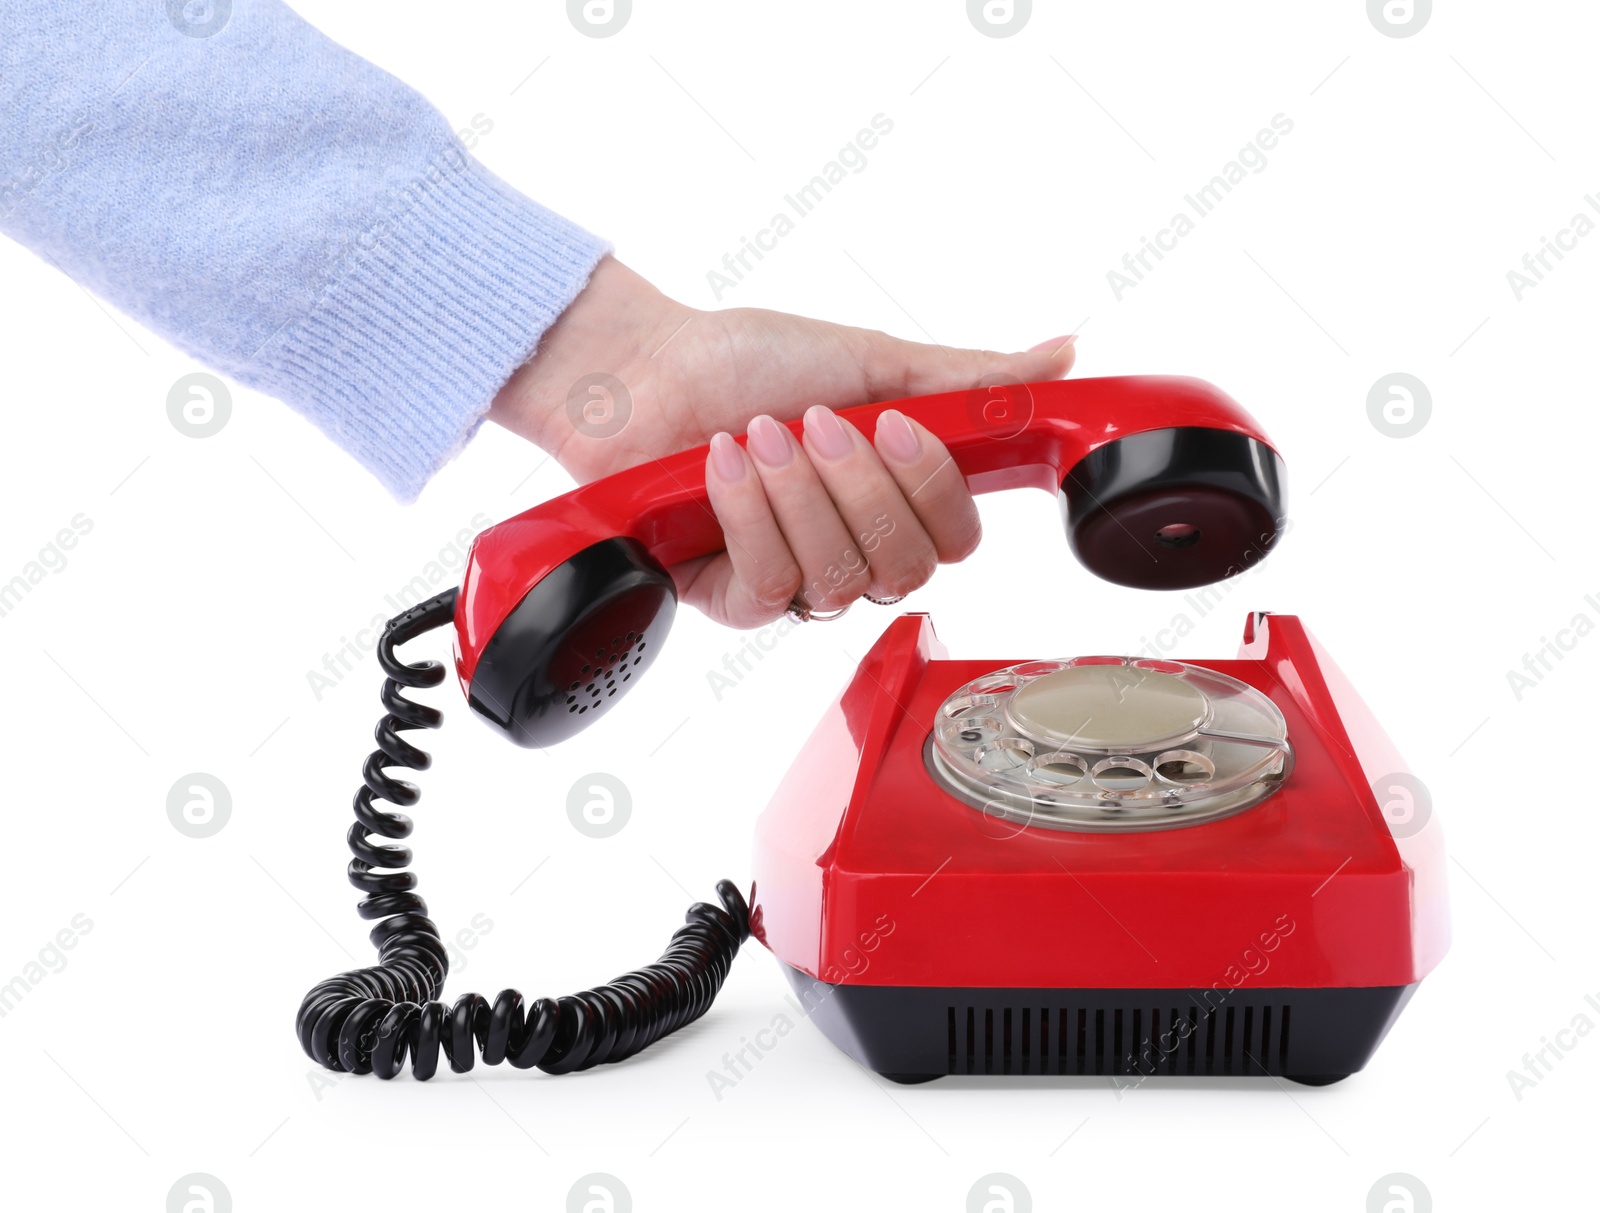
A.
x: 371, y: 1020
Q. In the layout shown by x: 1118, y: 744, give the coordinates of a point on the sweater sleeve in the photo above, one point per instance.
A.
x: 281, y: 210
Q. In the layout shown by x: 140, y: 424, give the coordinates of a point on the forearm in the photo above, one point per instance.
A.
x: 283, y: 211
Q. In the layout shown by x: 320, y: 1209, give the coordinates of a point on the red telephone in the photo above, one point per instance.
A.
x: 1164, y: 484
x: 1120, y: 866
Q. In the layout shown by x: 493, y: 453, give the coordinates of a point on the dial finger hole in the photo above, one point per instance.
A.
x: 1007, y: 754
x: 1184, y: 768
x: 1120, y: 773
x: 971, y: 731
x: 1059, y: 769
x: 994, y: 684
x: 1037, y: 669
x: 965, y: 705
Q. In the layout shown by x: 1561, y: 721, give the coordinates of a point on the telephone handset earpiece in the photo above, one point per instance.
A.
x: 1164, y: 483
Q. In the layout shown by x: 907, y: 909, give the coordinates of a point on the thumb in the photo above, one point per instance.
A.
x: 898, y: 368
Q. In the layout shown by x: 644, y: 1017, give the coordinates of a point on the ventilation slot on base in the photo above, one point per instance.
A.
x: 1248, y: 1040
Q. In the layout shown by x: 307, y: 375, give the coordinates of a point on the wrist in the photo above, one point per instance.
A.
x: 614, y: 325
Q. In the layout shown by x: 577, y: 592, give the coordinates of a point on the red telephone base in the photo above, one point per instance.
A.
x: 929, y: 933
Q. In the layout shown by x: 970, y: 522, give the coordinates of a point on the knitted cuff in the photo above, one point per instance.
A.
x: 429, y: 315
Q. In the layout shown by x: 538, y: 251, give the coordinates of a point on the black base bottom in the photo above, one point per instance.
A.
x: 1305, y: 1080
x: 913, y: 1034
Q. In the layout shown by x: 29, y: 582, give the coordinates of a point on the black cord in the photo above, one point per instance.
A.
x: 369, y: 1020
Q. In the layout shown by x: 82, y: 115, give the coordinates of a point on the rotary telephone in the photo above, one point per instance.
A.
x: 1163, y: 483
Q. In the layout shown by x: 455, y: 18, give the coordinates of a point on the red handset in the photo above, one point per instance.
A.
x: 1164, y: 483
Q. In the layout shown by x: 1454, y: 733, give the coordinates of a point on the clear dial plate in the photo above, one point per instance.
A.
x: 1109, y: 743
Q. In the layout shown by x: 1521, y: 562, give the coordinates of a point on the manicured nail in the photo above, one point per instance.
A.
x: 770, y: 442
x: 896, y: 436
x: 827, y: 433
x: 727, y: 458
x: 1055, y: 344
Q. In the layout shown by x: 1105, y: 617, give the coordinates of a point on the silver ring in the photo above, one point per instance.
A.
x: 799, y: 612
x: 885, y: 601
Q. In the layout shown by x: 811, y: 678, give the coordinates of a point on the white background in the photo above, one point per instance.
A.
x: 1019, y: 171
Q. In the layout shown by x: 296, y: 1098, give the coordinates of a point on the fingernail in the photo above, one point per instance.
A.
x: 770, y: 442
x: 897, y: 437
x: 827, y: 433
x: 725, y: 457
x: 1055, y: 344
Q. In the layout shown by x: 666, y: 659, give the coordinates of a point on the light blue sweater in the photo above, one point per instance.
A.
x: 283, y: 211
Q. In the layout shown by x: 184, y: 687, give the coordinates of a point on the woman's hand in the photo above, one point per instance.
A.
x: 825, y: 520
